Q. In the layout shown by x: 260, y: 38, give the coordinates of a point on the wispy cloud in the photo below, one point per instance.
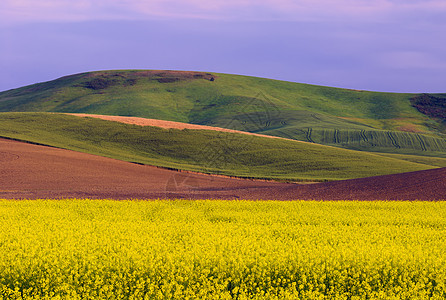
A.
x: 410, y: 60
x: 17, y: 11
x: 393, y: 45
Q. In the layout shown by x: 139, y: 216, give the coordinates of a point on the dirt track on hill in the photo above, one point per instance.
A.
x: 30, y: 171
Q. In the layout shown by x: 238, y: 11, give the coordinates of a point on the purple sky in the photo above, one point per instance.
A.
x: 381, y: 45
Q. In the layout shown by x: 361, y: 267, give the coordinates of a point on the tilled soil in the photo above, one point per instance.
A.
x: 29, y: 171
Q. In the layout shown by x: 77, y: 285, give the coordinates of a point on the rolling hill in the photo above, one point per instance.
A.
x: 405, y: 124
x: 206, y: 151
x: 39, y: 172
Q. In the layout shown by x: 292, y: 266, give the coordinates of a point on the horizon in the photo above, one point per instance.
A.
x: 384, y: 46
x: 268, y: 78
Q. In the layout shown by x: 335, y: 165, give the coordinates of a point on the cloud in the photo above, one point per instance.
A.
x: 27, y: 11
x: 403, y: 56
x: 19, y: 11
x: 410, y: 60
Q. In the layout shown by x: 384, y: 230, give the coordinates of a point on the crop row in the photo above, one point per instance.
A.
x: 373, y: 139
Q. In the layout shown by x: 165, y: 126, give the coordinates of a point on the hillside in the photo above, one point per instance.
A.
x: 382, y: 122
x: 426, y: 160
x: 40, y: 172
x: 204, y: 151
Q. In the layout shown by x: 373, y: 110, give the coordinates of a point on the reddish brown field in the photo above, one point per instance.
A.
x: 31, y: 171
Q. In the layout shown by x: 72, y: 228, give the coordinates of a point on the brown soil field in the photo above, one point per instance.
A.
x: 29, y: 171
x: 430, y: 105
x: 159, y: 74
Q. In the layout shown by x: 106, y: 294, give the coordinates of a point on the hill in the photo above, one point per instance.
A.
x: 411, y: 124
x: 426, y: 160
x: 204, y: 151
x: 33, y: 172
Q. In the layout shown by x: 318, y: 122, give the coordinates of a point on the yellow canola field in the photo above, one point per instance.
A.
x: 102, y: 249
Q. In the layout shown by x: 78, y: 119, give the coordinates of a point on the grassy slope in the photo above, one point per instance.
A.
x: 432, y: 161
x: 358, y: 120
x: 200, y: 150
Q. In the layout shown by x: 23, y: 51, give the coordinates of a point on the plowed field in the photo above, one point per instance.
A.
x: 34, y: 171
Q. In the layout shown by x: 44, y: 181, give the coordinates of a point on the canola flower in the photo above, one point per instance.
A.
x: 161, y: 249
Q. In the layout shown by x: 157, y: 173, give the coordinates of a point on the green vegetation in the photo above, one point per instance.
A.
x: 98, y: 249
x: 358, y: 120
x: 368, y: 140
x: 432, y: 161
x: 202, y: 150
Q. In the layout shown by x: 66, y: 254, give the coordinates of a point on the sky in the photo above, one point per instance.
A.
x: 378, y: 45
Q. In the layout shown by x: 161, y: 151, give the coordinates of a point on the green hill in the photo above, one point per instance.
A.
x: 412, y: 124
x: 203, y: 150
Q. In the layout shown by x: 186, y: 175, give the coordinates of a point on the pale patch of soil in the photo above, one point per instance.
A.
x: 410, y: 128
x: 170, y: 124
